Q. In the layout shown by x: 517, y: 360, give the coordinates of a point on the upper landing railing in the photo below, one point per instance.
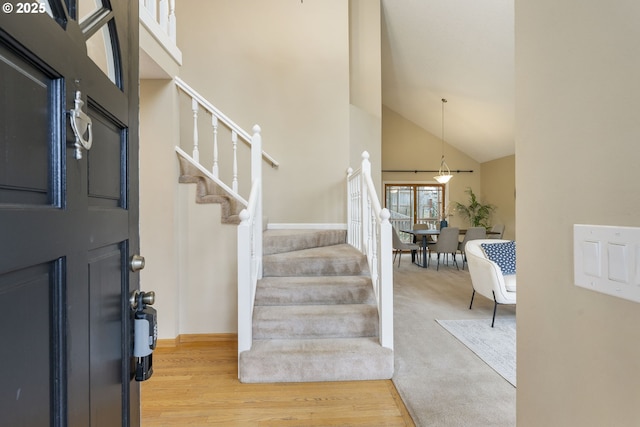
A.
x: 159, y: 18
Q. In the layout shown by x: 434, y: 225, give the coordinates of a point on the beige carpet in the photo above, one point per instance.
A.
x: 441, y: 381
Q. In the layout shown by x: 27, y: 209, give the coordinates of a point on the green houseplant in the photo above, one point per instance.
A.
x: 476, y: 213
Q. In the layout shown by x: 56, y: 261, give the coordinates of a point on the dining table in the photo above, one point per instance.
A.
x: 425, y: 233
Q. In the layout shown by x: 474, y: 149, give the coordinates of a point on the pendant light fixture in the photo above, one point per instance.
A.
x: 444, y: 174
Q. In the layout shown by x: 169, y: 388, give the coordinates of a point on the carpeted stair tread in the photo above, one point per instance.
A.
x: 314, y: 290
x: 279, y: 241
x: 346, y: 359
x: 315, y: 321
x: 315, y: 316
x: 335, y: 260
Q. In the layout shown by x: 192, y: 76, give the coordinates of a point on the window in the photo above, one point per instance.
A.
x: 411, y: 204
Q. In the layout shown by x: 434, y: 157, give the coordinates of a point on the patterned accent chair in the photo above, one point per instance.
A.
x: 492, y: 266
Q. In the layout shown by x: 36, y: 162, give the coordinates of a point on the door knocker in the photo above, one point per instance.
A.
x: 81, y: 125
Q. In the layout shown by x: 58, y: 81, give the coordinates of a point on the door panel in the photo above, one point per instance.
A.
x: 68, y: 225
x: 106, y: 161
x: 25, y: 169
x: 26, y: 306
x: 105, y: 334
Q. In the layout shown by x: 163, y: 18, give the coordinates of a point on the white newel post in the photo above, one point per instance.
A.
x: 366, y: 210
x: 350, y: 208
x: 196, y: 151
x: 256, y: 174
x: 244, y: 284
x: 386, y: 280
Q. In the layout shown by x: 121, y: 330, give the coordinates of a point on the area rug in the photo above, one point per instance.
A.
x: 495, y: 346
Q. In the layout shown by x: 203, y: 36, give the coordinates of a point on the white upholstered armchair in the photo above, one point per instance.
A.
x: 492, y: 270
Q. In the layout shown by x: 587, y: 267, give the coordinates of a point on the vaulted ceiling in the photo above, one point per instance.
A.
x: 461, y: 50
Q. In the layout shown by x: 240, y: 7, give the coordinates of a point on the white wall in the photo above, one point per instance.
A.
x: 577, y: 151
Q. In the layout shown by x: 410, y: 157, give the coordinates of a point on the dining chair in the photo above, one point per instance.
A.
x: 446, y: 244
x: 399, y: 246
x: 473, y: 233
x: 419, y: 227
x: 498, y: 228
x: 418, y: 240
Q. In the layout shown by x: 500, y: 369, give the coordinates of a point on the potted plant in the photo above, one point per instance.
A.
x: 443, y: 219
x: 475, y: 212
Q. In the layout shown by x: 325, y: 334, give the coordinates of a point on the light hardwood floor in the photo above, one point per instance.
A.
x: 196, y: 384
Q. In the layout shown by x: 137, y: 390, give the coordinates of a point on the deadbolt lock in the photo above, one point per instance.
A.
x: 137, y: 263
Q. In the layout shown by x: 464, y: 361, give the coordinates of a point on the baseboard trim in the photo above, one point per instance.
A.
x: 230, y: 337
x: 191, y: 338
x: 167, y: 343
x: 307, y: 226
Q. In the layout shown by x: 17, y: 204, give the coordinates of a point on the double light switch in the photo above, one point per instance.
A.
x: 607, y: 259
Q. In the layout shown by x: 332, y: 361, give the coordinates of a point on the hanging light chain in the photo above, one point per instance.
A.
x: 444, y: 101
x: 444, y: 174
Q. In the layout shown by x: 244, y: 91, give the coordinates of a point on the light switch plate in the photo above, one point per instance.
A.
x: 606, y: 259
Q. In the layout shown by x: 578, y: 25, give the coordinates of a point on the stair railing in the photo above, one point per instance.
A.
x: 369, y: 230
x: 250, y: 247
x: 159, y: 17
x: 249, y: 233
x: 217, y: 118
x: 164, y: 13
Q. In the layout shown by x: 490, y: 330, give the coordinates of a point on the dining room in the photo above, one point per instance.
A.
x: 411, y: 158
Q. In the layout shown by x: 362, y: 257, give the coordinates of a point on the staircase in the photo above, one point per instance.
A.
x: 311, y: 307
x: 208, y: 191
x: 315, y: 316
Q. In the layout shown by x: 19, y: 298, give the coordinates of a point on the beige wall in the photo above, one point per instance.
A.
x: 365, y: 85
x: 190, y: 255
x: 499, y: 189
x: 284, y: 65
x: 577, y: 104
x: 159, y: 216
x: 406, y: 146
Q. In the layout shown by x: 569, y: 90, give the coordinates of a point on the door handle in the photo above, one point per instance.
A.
x: 81, y: 125
x: 141, y: 299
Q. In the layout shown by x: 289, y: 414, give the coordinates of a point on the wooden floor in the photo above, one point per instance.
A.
x: 196, y: 384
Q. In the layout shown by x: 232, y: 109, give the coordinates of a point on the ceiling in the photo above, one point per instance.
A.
x: 461, y: 50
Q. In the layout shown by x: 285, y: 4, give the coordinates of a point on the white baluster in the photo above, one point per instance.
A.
x: 172, y: 19
x: 151, y: 7
x: 163, y: 15
x: 214, y: 123
x: 234, y: 140
x: 196, y: 151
